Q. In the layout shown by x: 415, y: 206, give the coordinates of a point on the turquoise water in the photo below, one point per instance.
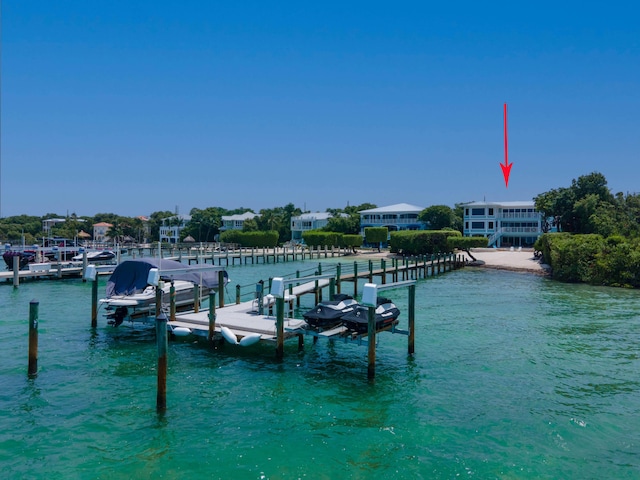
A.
x: 514, y: 377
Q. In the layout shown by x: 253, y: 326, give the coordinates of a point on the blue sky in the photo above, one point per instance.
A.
x: 135, y: 107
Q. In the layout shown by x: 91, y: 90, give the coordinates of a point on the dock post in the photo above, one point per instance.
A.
x: 33, y: 338
x: 16, y: 271
x: 260, y: 295
x: 212, y: 315
x: 371, y: 370
x: 291, y: 292
x: 355, y: 279
x: 395, y: 274
x: 370, y: 271
x: 332, y: 288
x: 238, y: 294
x: 84, y: 264
x: 279, y: 327
x: 412, y: 319
x: 383, y: 265
x: 338, y: 282
x: 172, y: 302
x: 161, y: 336
x: 158, y: 300
x: 196, y: 298
x: 94, y: 302
x: 221, y: 288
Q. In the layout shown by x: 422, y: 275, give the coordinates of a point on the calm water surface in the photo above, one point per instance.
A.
x: 514, y: 377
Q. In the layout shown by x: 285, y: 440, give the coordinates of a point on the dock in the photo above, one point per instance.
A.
x: 245, y: 318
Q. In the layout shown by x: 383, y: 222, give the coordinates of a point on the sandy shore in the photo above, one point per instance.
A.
x: 519, y: 261
x: 500, y: 259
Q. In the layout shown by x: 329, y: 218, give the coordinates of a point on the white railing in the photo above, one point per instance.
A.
x: 390, y: 221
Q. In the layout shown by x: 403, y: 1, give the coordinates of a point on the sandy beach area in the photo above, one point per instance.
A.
x: 499, y: 259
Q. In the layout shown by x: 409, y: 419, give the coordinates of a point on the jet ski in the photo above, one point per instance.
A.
x: 329, y: 314
x: 358, y: 320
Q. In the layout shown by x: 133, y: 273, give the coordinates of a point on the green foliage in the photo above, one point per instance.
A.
x: 466, y: 243
x: 587, y: 206
x: 259, y: 239
x: 278, y: 219
x: 438, y: 217
x: 320, y: 238
x: 376, y: 234
x: 590, y: 258
x: 352, y: 241
x: 421, y: 242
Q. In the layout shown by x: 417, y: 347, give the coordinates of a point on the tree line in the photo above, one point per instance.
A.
x: 593, y: 235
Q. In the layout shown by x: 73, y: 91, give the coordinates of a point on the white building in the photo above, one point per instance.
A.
x: 236, y: 222
x: 401, y: 216
x: 506, y: 224
x: 171, y: 228
x: 100, y: 232
x: 308, y: 221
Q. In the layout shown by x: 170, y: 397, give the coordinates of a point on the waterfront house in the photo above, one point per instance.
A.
x: 100, y: 232
x: 236, y: 222
x: 171, y: 228
x: 309, y: 221
x: 506, y: 224
x: 401, y: 216
x: 49, y: 223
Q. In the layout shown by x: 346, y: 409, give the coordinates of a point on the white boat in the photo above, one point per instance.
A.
x: 130, y: 297
x: 96, y: 256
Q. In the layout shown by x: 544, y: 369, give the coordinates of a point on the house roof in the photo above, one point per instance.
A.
x: 397, y: 208
x: 240, y: 216
x: 524, y: 203
x: 316, y: 216
x: 102, y: 224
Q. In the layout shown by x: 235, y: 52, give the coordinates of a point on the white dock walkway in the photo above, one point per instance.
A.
x: 243, y: 318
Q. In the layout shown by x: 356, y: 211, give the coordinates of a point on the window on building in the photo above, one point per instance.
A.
x: 490, y: 225
x: 477, y: 225
x: 466, y: 225
x: 477, y: 212
x: 491, y: 211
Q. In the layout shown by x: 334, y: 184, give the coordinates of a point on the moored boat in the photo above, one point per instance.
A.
x: 329, y: 314
x: 386, y: 315
x: 129, y: 296
x: 96, y: 256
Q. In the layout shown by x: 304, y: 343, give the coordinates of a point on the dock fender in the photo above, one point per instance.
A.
x: 181, y: 331
x: 229, y: 336
x: 250, y: 339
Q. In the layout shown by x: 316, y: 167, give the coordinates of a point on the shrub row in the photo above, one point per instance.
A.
x: 421, y: 242
x: 614, y: 261
x: 258, y: 239
x: 319, y: 238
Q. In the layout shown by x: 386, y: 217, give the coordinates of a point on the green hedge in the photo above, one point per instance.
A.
x: 257, y: 239
x: 318, y: 238
x: 614, y: 261
x: 352, y: 241
x: 421, y: 242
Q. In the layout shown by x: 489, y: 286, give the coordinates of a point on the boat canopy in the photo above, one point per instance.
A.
x: 130, y: 276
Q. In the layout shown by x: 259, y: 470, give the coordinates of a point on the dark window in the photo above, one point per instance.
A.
x: 477, y: 225
x: 477, y: 212
x: 491, y: 211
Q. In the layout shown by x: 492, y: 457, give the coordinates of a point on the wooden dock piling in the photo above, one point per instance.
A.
x: 161, y: 336
x: 212, y: 316
x: 33, y: 338
x: 371, y: 339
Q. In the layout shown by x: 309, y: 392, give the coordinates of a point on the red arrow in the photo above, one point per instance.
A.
x: 506, y: 167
